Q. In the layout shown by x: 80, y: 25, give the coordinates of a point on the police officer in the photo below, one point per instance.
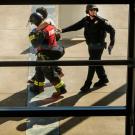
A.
x: 95, y: 29
x: 44, y: 41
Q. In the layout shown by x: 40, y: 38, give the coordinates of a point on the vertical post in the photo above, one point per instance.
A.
x: 133, y: 96
x: 130, y: 91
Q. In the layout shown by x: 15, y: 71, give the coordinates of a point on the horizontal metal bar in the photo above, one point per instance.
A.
x: 65, y: 63
x: 13, y: 2
x: 63, y: 111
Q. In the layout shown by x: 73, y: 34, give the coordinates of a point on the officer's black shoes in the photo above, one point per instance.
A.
x: 101, y: 83
x: 37, y: 89
x: 61, y: 91
x: 86, y: 87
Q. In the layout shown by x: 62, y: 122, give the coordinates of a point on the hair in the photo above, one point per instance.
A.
x: 42, y: 11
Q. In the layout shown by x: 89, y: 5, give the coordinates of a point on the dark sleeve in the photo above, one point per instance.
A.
x: 74, y: 27
x: 109, y: 29
x: 37, y: 38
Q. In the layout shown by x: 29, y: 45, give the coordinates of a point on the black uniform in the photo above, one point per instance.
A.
x: 94, y: 33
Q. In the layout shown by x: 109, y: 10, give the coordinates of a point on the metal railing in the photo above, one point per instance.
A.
x: 130, y: 63
x: 76, y: 111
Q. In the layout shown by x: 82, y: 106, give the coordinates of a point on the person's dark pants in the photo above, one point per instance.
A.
x: 48, y: 72
x: 95, y: 53
x: 39, y: 71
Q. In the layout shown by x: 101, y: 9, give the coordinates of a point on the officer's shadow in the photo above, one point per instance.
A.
x: 69, y: 101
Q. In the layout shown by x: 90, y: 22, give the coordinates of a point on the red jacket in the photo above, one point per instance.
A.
x: 50, y: 37
x: 45, y: 39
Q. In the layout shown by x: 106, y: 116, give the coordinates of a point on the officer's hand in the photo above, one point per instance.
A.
x: 110, y: 49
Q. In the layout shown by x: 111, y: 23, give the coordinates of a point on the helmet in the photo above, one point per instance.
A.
x: 91, y: 6
x: 35, y: 19
x: 42, y: 11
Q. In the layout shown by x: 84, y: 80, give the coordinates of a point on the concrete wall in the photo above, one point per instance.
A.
x: 70, y: 14
x: 13, y: 30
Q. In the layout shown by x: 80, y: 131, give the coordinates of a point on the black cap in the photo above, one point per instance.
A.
x: 35, y: 19
x: 91, y: 6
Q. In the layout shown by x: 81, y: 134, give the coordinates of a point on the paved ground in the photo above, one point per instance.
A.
x: 13, y: 88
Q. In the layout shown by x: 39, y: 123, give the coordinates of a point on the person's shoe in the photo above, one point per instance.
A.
x: 37, y: 89
x: 86, y: 87
x: 59, y: 71
x: 101, y: 83
x: 31, y: 81
x: 61, y: 91
x: 61, y: 74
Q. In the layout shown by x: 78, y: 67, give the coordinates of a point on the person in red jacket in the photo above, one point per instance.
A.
x: 44, y: 41
x: 41, y: 11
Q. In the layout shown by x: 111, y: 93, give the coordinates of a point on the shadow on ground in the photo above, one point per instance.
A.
x: 65, y: 42
x: 70, y: 101
x: 16, y: 100
x: 103, y: 102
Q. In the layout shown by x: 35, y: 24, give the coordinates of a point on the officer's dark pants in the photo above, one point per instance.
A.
x: 95, y: 53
